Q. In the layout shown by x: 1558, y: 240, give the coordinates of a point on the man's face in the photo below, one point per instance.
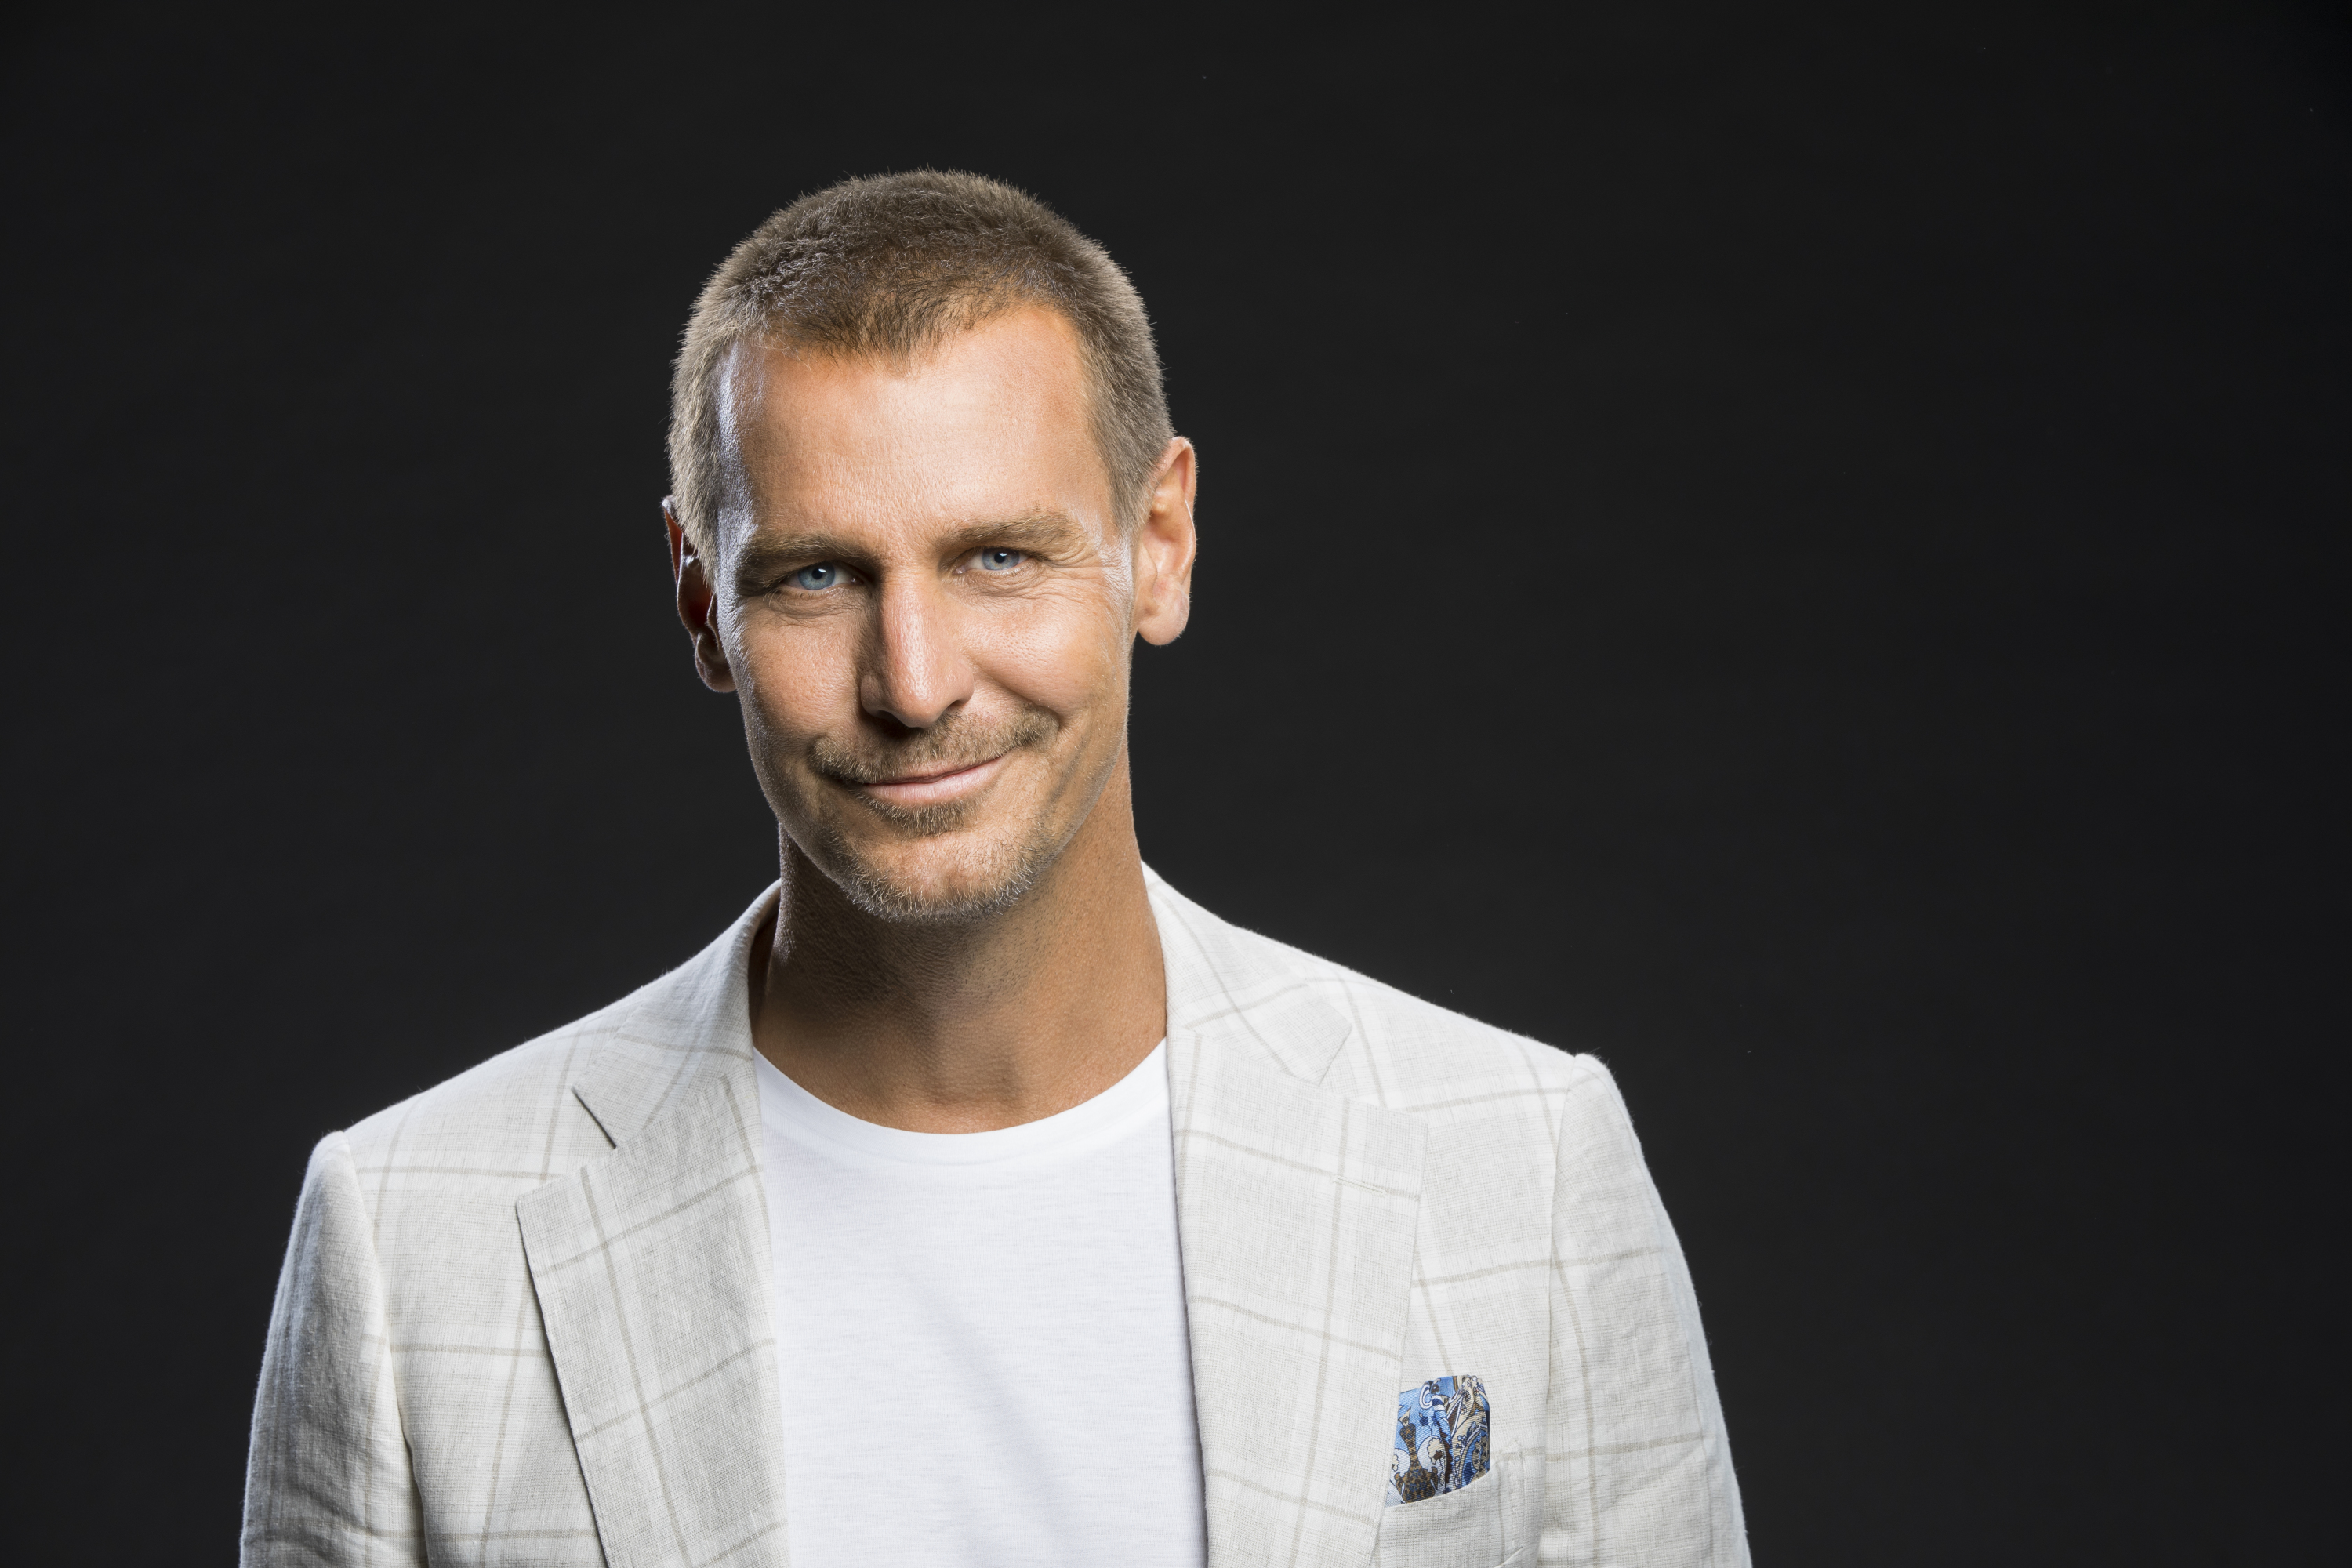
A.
x: 927, y: 609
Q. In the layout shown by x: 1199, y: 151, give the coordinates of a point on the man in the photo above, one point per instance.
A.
x: 976, y: 1198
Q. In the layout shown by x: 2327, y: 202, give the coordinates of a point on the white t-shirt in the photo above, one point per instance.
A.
x: 982, y: 1337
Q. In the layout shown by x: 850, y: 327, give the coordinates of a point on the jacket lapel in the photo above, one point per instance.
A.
x: 1296, y: 1209
x: 652, y: 1270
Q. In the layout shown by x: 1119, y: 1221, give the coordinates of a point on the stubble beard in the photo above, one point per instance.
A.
x: 991, y: 875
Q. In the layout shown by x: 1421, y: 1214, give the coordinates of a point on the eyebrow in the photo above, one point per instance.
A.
x: 769, y: 553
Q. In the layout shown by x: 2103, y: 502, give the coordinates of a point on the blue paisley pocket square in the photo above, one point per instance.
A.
x: 1442, y: 1442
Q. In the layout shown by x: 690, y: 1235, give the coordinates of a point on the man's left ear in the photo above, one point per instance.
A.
x: 1163, y: 546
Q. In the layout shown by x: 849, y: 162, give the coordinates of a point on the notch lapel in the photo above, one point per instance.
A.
x: 1296, y: 1209
x: 652, y: 1267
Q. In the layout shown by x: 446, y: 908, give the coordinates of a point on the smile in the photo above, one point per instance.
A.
x: 935, y: 789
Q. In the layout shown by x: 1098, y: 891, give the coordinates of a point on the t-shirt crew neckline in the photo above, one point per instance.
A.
x: 1141, y: 1095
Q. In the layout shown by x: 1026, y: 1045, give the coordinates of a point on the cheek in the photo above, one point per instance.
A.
x: 793, y: 680
x: 1066, y: 657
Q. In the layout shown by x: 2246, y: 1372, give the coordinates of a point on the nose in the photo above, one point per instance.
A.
x: 916, y: 670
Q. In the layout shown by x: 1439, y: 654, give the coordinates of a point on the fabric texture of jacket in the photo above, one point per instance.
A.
x: 524, y: 1317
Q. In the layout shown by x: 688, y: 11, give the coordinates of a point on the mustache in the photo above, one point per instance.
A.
x: 951, y: 743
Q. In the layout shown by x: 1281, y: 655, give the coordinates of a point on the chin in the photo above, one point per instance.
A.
x: 932, y: 883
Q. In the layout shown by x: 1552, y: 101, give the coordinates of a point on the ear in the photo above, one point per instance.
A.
x: 1163, y: 546
x: 696, y: 605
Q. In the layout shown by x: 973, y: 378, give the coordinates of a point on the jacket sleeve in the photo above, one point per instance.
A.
x: 1638, y: 1467
x: 327, y: 1477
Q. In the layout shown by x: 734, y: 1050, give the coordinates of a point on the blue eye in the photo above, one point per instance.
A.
x: 824, y: 575
x: 994, y: 559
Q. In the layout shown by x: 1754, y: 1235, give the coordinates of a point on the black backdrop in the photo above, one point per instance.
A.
x: 1798, y: 554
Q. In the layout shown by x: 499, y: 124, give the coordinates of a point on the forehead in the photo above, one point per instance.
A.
x: 992, y: 422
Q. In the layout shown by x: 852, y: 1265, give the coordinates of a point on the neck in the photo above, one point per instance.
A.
x: 965, y: 1027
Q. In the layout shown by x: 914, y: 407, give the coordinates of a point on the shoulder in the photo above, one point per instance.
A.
x: 1400, y: 1051
x: 1425, y: 1054
x: 1456, y: 1071
x: 1524, y: 1139
x: 513, y: 1112
x: 499, y: 1107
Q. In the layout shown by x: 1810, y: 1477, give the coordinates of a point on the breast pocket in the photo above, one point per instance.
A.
x: 1458, y: 1530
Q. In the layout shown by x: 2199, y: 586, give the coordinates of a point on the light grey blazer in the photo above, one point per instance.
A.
x: 524, y: 1316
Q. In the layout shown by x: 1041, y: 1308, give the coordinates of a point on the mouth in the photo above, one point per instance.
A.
x: 935, y: 788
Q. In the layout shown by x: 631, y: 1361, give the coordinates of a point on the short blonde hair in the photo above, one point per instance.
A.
x: 892, y: 266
